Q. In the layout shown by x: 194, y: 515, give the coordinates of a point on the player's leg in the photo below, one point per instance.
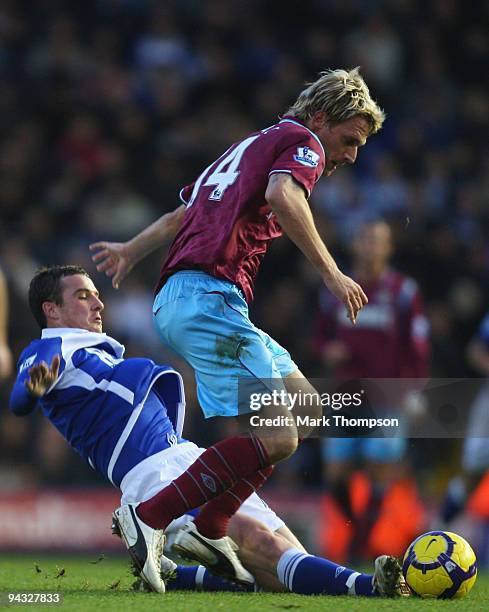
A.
x: 302, y: 398
x: 285, y: 533
x: 145, y: 543
x: 205, y: 320
x: 279, y: 564
x: 145, y: 546
x: 267, y: 545
x: 199, y: 578
x: 255, y: 541
x: 261, y: 548
x: 306, y: 400
x: 147, y: 480
x: 258, y: 531
x: 215, y: 515
x: 243, y: 530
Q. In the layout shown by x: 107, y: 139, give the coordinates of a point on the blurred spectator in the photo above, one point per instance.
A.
x: 389, y: 340
x: 6, y: 360
x: 378, y: 48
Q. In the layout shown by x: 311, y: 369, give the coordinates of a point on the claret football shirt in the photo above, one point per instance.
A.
x: 228, y: 225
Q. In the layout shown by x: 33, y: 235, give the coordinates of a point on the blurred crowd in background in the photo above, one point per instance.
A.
x: 109, y: 107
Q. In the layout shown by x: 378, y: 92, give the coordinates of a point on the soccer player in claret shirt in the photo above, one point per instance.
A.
x: 256, y: 190
x: 391, y: 340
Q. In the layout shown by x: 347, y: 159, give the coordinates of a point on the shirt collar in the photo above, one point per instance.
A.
x: 296, y: 121
x: 53, y: 332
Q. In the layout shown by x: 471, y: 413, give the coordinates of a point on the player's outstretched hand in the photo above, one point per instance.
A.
x: 349, y: 292
x: 112, y: 258
x: 41, y: 377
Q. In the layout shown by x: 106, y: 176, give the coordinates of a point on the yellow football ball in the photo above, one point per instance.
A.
x: 440, y: 564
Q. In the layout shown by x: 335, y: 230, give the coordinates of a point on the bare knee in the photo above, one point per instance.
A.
x: 259, y: 549
x: 276, y: 428
x: 306, y: 402
x: 259, y: 542
x: 280, y: 446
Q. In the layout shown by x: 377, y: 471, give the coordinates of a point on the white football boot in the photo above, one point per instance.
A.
x: 388, y: 580
x: 217, y: 555
x: 145, y: 545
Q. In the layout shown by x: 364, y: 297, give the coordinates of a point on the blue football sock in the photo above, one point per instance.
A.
x: 198, y: 578
x: 310, y: 575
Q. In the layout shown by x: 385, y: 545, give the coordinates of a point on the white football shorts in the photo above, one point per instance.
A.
x: 153, y: 474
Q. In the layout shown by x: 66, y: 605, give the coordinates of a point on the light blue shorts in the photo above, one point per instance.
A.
x: 380, y: 450
x: 205, y: 320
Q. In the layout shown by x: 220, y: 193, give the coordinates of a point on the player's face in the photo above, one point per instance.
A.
x: 373, y: 245
x: 81, y: 306
x: 341, y: 141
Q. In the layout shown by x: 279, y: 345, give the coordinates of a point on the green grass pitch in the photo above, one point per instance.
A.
x: 89, y: 583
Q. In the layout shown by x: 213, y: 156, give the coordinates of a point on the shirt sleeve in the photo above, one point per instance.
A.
x: 21, y: 401
x: 186, y: 193
x: 303, y: 158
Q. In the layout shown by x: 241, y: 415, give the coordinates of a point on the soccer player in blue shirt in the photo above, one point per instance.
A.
x: 125, y: 417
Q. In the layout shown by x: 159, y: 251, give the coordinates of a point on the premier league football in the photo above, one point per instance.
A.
x: 440, y: 564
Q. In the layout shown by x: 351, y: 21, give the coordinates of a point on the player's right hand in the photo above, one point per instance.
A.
x: 113, y: 259
x: 41, y: 377
x: 347, y: 291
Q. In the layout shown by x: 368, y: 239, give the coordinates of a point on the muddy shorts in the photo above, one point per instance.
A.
x: 205, y: 320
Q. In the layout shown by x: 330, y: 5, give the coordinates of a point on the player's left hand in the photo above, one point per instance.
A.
x: 349, y: 292
x: 41, y: 377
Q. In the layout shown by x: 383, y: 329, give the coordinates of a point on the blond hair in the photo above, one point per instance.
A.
x: 341, y: 94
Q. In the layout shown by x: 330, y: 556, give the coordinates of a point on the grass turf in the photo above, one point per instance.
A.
x: 89, y: 583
